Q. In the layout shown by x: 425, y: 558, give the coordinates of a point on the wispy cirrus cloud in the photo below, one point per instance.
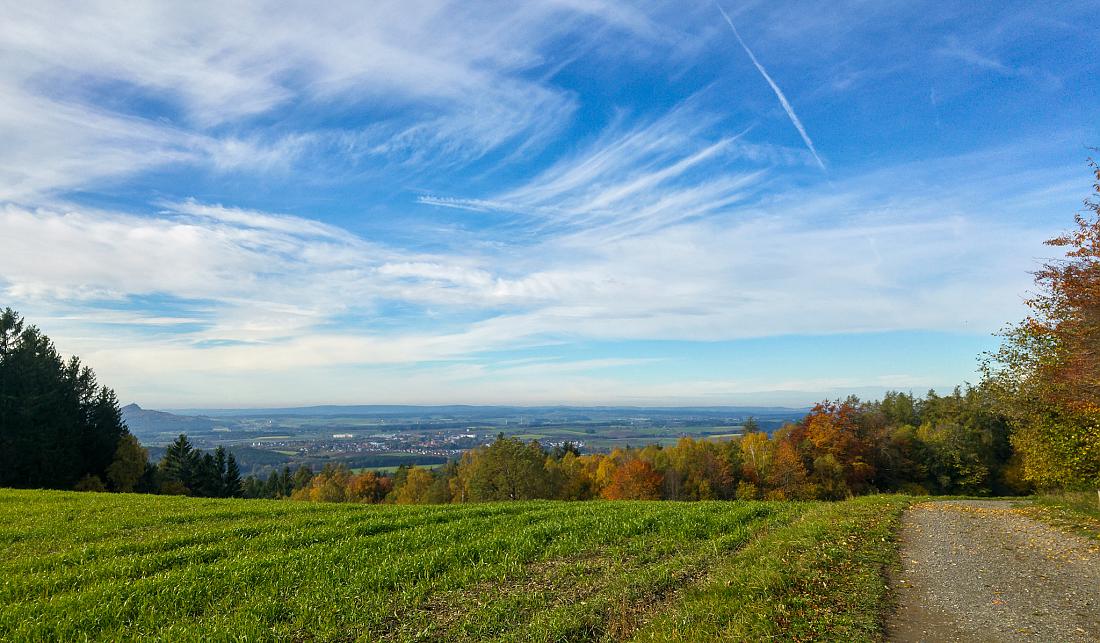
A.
x: 634, y: 179
x: 93, y: 94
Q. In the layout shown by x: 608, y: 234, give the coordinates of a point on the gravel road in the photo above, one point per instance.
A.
x: 983, y: 571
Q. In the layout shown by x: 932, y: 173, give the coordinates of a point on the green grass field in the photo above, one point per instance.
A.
x: 381, y: 469
x: 127, y: 567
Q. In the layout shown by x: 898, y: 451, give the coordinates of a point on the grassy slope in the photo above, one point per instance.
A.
x: 821, y: 577
x: 1076, y: 511
x: 123, y: 567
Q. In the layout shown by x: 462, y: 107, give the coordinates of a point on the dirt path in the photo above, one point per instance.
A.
x: 982, y: 571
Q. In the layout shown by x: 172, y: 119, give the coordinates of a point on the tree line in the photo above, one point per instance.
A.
x: 955, y: 444
x: 61, y: 429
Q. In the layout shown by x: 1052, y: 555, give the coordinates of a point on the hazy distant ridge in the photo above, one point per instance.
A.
x: 498, y: 411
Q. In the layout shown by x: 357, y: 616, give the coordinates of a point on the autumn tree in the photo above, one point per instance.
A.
x: 834, y: 429
x: 635, y: 480
x: 330, y: 485
x: 1047, y: 370
x: 604, y: 466
x: 1067, y: 310
x: 440, y: 490
x: 700, y: 469
x: 788, y: 474
x: 572, y: 477
x: 507, y: 469
x: 416, y: 487
x: 129, y: 464
x: 755, y: 457
x: 364, y: 487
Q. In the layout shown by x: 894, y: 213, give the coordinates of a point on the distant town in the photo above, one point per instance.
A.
x: 385, y: 437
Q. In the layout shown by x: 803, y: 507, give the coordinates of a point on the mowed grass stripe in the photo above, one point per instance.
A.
x: 274, y: 531
x: 159, y: 552
x: 619, y: 591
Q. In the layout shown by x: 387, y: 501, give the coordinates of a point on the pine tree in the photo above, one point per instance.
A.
x: 231, y: 487
x: 179, y: 466
x: 273, y: 487
x: 253, y: 487
x: 217, y: 481
x: 57, y: 426
x: 104, y: 430
x: 208, y: 478
x: 302, y: 478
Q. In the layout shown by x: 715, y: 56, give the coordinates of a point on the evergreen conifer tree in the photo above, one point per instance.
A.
x: 57, y: 425
x: 231, y: 486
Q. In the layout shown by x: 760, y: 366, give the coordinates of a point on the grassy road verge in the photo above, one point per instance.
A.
x: 1077, y: 511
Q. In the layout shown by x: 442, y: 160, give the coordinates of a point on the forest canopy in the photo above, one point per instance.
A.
x: 955, y: 444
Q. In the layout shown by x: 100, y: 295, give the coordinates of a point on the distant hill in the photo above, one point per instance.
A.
x: 462, y: 410
x: 152, y: 424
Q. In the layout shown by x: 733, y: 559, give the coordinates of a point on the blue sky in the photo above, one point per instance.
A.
x: 553, y: 201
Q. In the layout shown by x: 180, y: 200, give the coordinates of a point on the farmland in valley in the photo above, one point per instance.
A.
x: 388, y: 436
x: 123, y: 567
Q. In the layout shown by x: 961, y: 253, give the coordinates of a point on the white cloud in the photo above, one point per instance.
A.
x: 258, y: 220
x: 634, y: 179
x: 440, y: 82
x: 54, y: 146
x: 241, y: 261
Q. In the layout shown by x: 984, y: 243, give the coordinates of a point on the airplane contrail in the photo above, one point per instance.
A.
x: 775, y: 88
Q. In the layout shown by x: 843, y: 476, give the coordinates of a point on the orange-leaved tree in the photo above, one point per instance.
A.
x: 635, y: 480
x: 835, y: 436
